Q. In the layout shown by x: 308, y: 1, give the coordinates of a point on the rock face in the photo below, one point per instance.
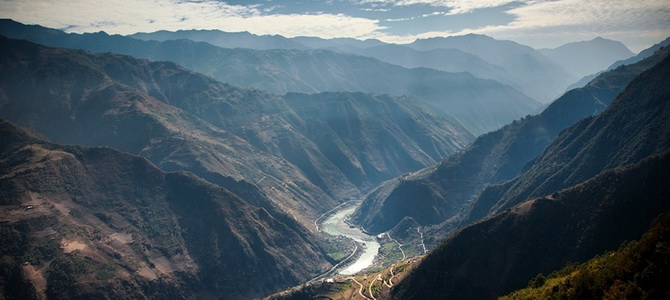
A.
x: 438, y: 193
x: 82, y: 222
x: 601, y: 182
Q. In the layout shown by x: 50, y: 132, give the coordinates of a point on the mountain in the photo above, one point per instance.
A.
x: 503, y: 253
x: 636, y: 270
x: 82, y: 222
x: 538, y: 76
x: 601, y: 182
x: 224, y: 39
x: 181, y: 120
x: 643, y: 54
x: 76, y: 97
x: 640, y: 56
x: 481, y: 105
x: 588, y: 57
x: 449, y: 60
x: 446, y: 189
x: 634, y: 126
x: 337, y: 44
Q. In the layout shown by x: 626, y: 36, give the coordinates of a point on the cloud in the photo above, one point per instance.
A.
x: 130, y: 16
x: 454, y: 6
x: 538, y: 23
x: 550, y: 22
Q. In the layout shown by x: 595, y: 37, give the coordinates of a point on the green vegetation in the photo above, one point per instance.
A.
x: 338, y: 248
x: 638, y: 270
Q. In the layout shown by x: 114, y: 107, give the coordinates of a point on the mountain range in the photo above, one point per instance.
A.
x: 181, y: 120
x: 448, y: 188
x: 481, y: 105
x: 470, y: 53
x: 135, y: 177
x: 601, y: 182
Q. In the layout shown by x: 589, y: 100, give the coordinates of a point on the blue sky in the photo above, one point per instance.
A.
x: 537, y: 23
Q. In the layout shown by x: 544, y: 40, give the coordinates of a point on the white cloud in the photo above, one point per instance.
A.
x: 455, y: 6
x: 538, y: 23
x: 551, y: 22
x: 130, y: 16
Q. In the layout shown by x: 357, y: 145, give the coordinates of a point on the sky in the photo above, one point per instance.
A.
x: 536, y: 23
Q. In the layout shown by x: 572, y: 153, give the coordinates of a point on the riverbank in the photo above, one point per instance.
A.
x: 336, y: 225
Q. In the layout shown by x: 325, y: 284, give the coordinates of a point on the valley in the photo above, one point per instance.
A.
x: 202, y: 164
x: 338, y: 224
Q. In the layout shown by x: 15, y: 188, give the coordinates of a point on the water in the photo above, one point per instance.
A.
x: 335, y: 225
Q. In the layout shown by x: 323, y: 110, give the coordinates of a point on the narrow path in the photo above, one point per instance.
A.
x: 399, y: 245
x: 360, y: 289
x: 422, y: 244
x: 370, y: 286
x: 390, y: 282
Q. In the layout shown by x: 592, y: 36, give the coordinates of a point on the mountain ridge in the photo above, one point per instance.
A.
x: 572, y: 209
x: 480, y: 104
x: 491, y: 158
x: 96, y: 222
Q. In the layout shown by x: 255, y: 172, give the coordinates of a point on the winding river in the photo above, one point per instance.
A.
x: 335, y: 225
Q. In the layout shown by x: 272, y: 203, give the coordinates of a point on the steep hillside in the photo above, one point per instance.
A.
x: 185, y: 121
x: 635, y: 125
x: 588, y: 57
x: 503, y: 253
x: 637, y: 270
x: 441, y: 192
x: 482, y: 105
x: 538, y: 76
x: 614, y: 168
x: 83, y: 222
x: 369, y: 138
x: 80, y: 98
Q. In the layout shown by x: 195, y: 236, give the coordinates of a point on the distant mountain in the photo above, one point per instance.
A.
x: 305, y: 150
x: 481, y: 105
x: 498, y: 156
x: 643, y: 54
x: 449, y: 60
x: 640, y: 56
x: 588, y: 57
x: 338, y: 44
x: 82, y: 222
x: 601, y: 182
x: 224, y: 39
x: 538, y: 76
x: 634, y: 126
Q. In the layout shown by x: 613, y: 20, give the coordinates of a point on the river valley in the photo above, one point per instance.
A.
x: 336, y: 225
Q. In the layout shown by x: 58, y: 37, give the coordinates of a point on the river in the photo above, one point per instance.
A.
x: 335, y: 225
